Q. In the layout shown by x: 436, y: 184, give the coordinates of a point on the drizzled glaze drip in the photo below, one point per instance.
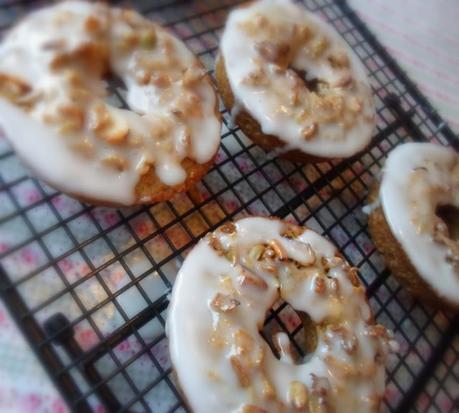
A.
x: 219, y: 302
x: 53, y: 100
x: 418, y: 178
x: 297, y: 78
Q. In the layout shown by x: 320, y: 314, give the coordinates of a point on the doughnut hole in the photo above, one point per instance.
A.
x: 313, y: 85
x: 450, y: 216
x: 299, y: 327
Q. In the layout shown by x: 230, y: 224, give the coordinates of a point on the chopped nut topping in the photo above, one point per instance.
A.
x: 256, y: 252
x: 216, y: 245
x: 292, y: 231
x: 278, y: 53
x: 72, y: 116
x: 319, y: 285
x: 344, y: 81
x: 116, y: 162
x: 241, y: 371
x: 244, y: 342
x: 12, y: 88
x: 310, y: 131
x: 333, y: 285
x: 318, y: 47
x: 92, y: 24
x: 278, y: 249
x: 298, y: 394
x: 228, y: 228
x: 377, y: 330
x: 339, y: 60
x: 84, y: 148
x: 303, y: 33
x: 248, y: 278
x: 353, y: 277
x: 99, y: 117
x: 143, y: 76
x: 160, y: 80
x: 223, y: 303
x: 318, y: 402
x: 256, y: 78
x: 113, y: 129
x: 250, y: 408
x: 193, y: 75
x: 147, y: 38
x: 331, y: 262
x: 327, y: 108
x: 267, y: 389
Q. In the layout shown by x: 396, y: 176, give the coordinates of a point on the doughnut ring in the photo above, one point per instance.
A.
x: 55, y: 109
x: 414, y: 221
x: 221, y: 296
x: 292, y: 83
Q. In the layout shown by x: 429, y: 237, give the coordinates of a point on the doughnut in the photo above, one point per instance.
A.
x: 292, y: 84
x: 414, y: 223
x: 56, y: 110
x: 220, y: 298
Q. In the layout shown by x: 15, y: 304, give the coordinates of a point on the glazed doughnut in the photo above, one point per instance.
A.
x: 418, y: 241
x: 55, y: 110
x: 292, y: 83
x: 219, y: 302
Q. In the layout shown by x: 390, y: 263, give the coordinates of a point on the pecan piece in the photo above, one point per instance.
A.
x: 241, y: 371
x: 298, y: 394
x: 223, y: 303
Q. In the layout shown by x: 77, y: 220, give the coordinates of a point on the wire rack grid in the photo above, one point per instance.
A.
x: 89, y: 286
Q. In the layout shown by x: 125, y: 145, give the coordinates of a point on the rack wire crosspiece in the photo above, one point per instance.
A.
x: 89, y: 286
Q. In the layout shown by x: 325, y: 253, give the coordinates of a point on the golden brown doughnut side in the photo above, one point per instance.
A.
x: 251, y: 127
x: 397, y: 260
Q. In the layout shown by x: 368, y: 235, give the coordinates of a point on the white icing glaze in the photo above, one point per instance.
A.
x: 156, y: 134
x: 206, y: 336
x: 407, y: 204
x: 268, y: 102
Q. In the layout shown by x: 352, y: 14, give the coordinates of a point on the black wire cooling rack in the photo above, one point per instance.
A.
x: 89, y: 286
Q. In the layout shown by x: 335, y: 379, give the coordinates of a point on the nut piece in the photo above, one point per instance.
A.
x: 310, y: 131
x: 244, y: 342
x: 377, y: 330
x: 339, y: 60
x: 250, y: 408
x: 84, y: 148
x: 292, y: 231
x: 147, y: 38
x: 318, y: 47
x: 256, y: 252
x: 353, y: 277
x: 228, y: 228
x: 298, y: 394
x: 116, y: 162
x: 319, y: 285
x: 240, y: 371
x: 278, y: 249
x: 216, y: 245
x: 223, y: 303
x: 248, y: 278
x: 72, y: 117
x: 193, y: 75
x: 278, y: 53
x: 12, y: 88
x: 267, y: 389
